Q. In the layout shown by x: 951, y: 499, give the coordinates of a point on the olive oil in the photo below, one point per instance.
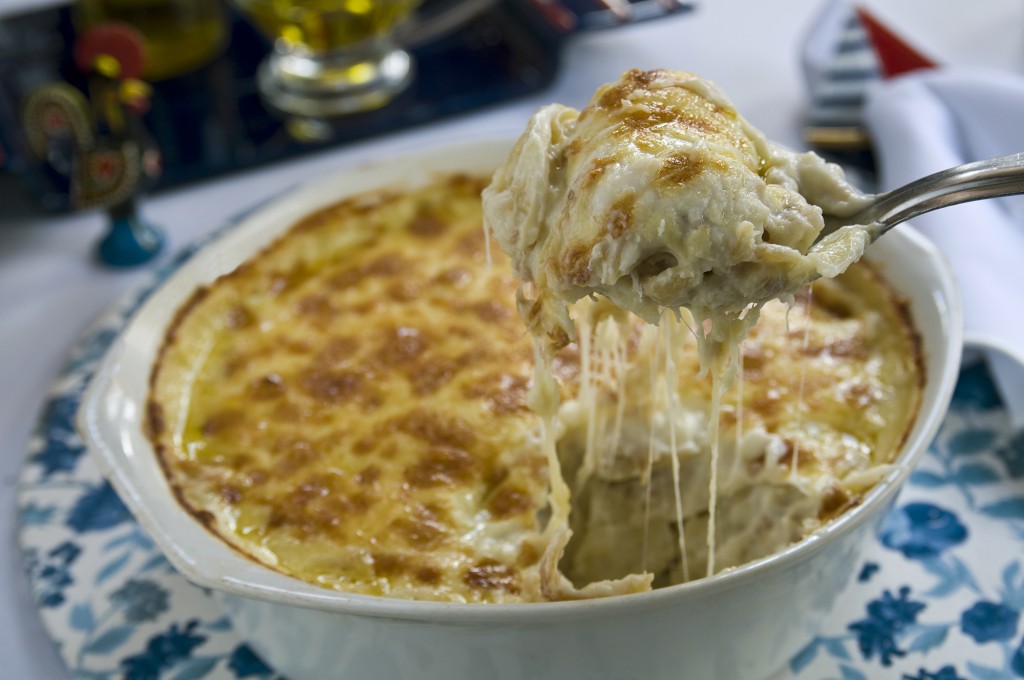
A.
x: 326, y: 25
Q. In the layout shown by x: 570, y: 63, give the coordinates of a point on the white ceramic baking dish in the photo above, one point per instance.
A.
x: 742, y: 623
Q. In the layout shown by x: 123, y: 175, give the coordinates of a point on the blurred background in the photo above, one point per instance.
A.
x: 132, y: 128
x: 212, y: 85
x: 205, y: 88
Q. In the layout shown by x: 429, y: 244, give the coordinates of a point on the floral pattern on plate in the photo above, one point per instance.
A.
x: 938, y: 597
x: 110, y: 600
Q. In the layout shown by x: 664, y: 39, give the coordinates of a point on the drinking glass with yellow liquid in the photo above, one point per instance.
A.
x: 331, y: 56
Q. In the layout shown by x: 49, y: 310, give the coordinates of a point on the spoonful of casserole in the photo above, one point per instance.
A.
x: 659, y: 195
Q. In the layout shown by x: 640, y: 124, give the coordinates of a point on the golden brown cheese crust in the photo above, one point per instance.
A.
x: 349, y: 407
x: 355, y: 404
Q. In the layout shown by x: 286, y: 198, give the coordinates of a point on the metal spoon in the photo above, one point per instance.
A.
x: 1003, y: 176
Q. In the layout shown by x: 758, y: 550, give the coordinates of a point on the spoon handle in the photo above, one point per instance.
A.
x: 1002, y: 176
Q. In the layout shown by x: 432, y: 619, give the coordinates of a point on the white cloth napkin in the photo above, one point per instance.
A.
x: 928, y: 121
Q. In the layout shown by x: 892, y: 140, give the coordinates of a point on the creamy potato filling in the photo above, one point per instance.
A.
x: 795, y: 450
x: 351, y: 407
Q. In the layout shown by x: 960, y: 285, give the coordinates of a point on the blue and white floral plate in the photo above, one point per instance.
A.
x: 939, y: 595
x: 112, y: 603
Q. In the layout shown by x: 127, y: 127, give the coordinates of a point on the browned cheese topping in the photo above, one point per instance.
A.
x: 349, y: 406
x: 355, y: 404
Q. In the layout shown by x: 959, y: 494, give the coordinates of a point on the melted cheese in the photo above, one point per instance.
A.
x: 784, y: 471
x: 659, y: 196
x: 355, y: 414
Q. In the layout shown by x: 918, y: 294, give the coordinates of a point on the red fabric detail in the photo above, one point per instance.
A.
x: 894, y: 55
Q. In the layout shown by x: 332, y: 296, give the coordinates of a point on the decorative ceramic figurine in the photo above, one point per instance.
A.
x: 99, y: 142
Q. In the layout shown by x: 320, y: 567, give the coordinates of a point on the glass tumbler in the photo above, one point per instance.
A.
x: 331, y: 57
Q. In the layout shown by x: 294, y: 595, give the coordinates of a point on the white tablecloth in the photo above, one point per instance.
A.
x: 50, y: 289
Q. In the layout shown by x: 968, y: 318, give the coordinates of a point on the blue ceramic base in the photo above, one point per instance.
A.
x: 131, y: 241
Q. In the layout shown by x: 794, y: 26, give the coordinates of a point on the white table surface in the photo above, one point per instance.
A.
x: 50, y: 288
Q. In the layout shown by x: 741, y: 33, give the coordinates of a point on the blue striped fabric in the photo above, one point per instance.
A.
x: 838, y: 96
